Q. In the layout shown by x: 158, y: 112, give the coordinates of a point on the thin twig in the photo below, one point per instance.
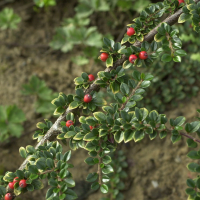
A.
x: 188, y: 136
x: 132, y: 93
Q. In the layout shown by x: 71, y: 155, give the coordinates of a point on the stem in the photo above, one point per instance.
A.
x: 170, y: 44
x: 132, y: 93
x: 46, y: 172
x: 99, y: 165
x: 188, y: 136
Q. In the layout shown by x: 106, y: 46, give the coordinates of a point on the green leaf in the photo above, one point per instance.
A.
x: 20, y: 174
x: 69, y: 182
x: 158, y: 37
x: 70, y: 134
x: 192, y: 127
x: 193, y: 155
x: 181, y: 52
x: 198, y: 183
x: 67, y: 156
x: 163, y: 134
x: 41, y: 163
x: 33, y: 169
x: 114, y: 87
x: 22, y: 152
x: 191, y: 183
x: 107, y: 42
x: 191, y: 143
x: 175, y: 138
x: 99, y: 116
x: 2, y: 190
x: 92, y: 177
x: 119, y: 136
x: 137, y: 75
x: 107, y: 169
x: 177, y: 59
x: 90, y: 136
x: 70, y: 194
x: 104, y: 188
x: 166, y: 58
x: 128, y: 135
x: 74, y: 104
x: 30, y: 149
x: 183, y: 17
x: 107, y: 159
x: 190, y: 191
x: 95, y: 186
x: 145, y: 84
x: 179, y: 121
x: 138, y: 135
x: 192, y: 167
x: 127, y: 64
x: 90, y: 146
x: 109, y: 62
x: 79, y: 81
x: 50, y: 163
x: 124, y: 89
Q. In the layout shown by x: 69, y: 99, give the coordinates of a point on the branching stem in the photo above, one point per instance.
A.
x: 132, y: 93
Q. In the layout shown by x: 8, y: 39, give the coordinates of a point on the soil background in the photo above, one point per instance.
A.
x: 157, y: 169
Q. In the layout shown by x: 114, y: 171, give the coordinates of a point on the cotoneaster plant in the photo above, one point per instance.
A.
x: 89, y: 123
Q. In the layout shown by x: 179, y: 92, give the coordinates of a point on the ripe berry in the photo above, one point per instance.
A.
x: 87, y: 98
x: 8, y: 196
x: 130, y: 31
x: 91, y: 127
x: 69, y: 123
x: 15, y: 181
x: 104, y: 57
x: 181, y: 1
x: 91, y: 77
x: 11, y: 185
x: 22, y: 183
x: 143, y: 55
x: 132, y: 58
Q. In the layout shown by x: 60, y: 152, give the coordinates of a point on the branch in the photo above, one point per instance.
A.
x: 149, y: 38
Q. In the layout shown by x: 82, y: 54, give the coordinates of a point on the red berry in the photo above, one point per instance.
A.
x: 91, y: 77
x: 181, y: 1
x: 69, y: 123
x: 132, y: 58
x: 15, y: 181
x: 22, y: 183
x: 104, y: 57
x: 87, y: 98
x: 8, y: 196
x: 130, y: 31
x: 143, y: 55
x: 11, y: 185
x: 91, y: 127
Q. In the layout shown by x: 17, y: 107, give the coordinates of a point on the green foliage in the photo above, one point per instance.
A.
x: 45, y: 3
x: 86, y: 7
x: 8, y: 19
x: 11, y: 118
x: 174, y: 81
x: 115, y: 180
x: 42, y: 93
x: 45, y: 162
x: 44, y: 127
x: 124, y: 120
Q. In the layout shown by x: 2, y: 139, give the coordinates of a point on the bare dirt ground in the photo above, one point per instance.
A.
x: 157, y: 169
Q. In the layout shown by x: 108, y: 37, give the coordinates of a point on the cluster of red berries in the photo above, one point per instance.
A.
x: 22, y: 184
x: 142, y: 55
